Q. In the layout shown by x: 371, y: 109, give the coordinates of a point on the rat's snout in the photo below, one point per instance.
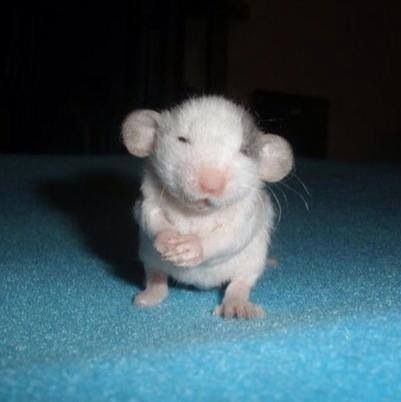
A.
x: 212, y: 181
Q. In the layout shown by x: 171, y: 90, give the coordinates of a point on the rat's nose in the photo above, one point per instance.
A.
x: 212, y: 181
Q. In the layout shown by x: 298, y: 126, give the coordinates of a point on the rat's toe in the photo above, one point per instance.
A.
x: 241, y: 309
x: 148, y: 299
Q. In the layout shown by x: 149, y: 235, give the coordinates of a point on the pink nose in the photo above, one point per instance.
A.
x: 211, y: 181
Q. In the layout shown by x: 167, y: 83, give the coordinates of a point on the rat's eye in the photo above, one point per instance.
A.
x: 184, y: 140
x: 246, y: 151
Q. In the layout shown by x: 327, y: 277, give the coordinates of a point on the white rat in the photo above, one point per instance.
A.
x: 205, y: 219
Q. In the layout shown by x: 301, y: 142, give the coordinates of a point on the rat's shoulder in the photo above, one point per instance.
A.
x: 151, y: 186
x: 154, y: 194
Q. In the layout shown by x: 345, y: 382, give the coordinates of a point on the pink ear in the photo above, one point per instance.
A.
x: 275, y: 158
x: 138, y: 132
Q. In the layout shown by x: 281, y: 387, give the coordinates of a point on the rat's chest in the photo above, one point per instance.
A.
x: 200, y: 224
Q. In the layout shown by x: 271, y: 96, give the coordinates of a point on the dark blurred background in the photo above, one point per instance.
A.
x: 325, y: 74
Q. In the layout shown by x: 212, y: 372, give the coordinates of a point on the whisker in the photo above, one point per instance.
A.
x: 260, y: 198
x: 258, y: 195
x: 302, y: 184
x: 276, y: 199
x: 283, y: 194
x: 270, y: 190
x: 298, y: 194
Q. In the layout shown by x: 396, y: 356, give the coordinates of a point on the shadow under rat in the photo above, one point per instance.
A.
x: 100, y: 205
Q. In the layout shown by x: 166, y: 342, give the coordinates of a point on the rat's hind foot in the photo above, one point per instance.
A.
x: 238, y: 308
x: 155, y: 292
x: 148, y: 298
x: 235, y: 303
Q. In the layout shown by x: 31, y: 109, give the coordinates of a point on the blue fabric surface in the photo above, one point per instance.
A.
x: 68, y: 271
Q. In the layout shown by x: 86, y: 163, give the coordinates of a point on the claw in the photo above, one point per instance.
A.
x: 241, y: 309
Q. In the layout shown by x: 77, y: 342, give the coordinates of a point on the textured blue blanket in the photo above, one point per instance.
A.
x: 69, y: 269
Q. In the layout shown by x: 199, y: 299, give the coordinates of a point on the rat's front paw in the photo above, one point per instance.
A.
x: 182, y: 250
x: 164, y: 241
x: 238, y: 308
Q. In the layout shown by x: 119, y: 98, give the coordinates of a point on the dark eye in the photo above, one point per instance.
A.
x: 246, y: 151
x: 183, y: 140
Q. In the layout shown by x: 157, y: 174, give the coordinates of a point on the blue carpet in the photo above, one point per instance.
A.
x: 68, y: 271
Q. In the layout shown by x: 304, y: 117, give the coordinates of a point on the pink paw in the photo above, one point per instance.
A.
x: 164, y: 240
x: 238, y: 308
x: 149, y: 298
x: 181, y: 250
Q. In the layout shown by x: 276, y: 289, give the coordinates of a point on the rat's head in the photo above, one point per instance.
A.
x: 207, y: 152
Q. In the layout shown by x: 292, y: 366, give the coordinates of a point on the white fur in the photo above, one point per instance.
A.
x: 234, y: 238
x: 224, y: 239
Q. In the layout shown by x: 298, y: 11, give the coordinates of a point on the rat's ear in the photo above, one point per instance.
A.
x: 275, y: 158
x: 138, y: 131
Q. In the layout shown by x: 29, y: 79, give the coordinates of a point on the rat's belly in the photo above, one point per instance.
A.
x: 204, y: 275
x: 248, y: 263
x: 199, y: 224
